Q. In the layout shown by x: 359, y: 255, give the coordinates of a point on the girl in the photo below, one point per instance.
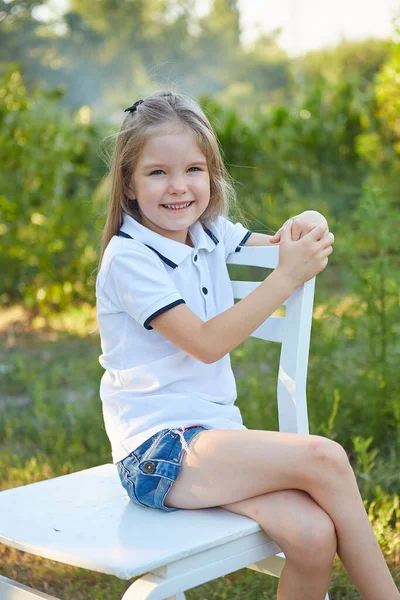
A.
x: 168, y: 321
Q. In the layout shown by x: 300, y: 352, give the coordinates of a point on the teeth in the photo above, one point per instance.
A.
x: 177, y: 207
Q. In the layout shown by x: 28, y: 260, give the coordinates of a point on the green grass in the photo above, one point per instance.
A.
x: 51, y: 424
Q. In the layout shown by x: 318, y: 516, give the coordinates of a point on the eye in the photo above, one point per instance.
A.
x: 160, y: 171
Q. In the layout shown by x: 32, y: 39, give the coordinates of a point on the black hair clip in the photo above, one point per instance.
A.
x: 134, y: 106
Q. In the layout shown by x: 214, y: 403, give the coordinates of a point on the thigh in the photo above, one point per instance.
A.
x: 148, y: 472
x: 229, y: 465
x: 300, y: 527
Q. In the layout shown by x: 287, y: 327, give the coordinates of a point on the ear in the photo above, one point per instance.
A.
x: 129, y: 193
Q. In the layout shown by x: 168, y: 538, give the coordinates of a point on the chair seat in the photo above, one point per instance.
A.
x: 88, y: 521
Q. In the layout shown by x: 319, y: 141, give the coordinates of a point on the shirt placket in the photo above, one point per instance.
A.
x: 205, y: 288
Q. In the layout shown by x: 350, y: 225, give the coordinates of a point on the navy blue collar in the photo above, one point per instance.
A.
x: 170, y: 251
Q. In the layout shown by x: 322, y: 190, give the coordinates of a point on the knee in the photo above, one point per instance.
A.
x: 329, y: 455
x: 315, y: 543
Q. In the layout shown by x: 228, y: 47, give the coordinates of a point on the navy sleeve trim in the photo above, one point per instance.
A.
x: 244, y: 240
x: 160, y: 311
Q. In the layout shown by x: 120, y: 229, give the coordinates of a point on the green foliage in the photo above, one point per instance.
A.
x: 358, y: 57
x: 355, y: 343
x: 50, y: 168
x: 296, y: 155
x: 283, y: 161
x: 60, y: 400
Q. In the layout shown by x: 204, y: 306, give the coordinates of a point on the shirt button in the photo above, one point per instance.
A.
x: 149, y: 466
x: 205, y: 290
x: 195, y: 257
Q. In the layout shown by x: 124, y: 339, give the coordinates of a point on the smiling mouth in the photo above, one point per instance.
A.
x: 178, y: 207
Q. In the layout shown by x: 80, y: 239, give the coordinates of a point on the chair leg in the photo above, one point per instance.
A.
x: 152, y: 587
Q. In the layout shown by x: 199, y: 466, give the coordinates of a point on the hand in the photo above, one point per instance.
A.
x: 301, y: 260
x: 302, y: 224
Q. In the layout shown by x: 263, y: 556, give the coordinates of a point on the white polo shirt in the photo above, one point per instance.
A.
x: 150, y: 384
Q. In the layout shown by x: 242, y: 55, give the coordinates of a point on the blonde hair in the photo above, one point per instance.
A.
x: 163, y: 111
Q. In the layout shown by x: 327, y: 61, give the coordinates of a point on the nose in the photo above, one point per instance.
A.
x: 177, y: 185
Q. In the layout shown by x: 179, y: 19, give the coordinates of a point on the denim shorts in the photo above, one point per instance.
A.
x: 148, y: 472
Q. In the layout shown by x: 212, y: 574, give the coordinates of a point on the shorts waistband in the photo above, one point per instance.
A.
x: 180, y: 431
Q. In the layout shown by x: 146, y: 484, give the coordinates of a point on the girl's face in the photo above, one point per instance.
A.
x: 171, y: 171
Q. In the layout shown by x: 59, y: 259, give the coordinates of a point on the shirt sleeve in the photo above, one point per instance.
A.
x: 139, y: 284
x: 234, y: 235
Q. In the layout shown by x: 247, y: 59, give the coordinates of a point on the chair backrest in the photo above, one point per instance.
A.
x: 293, y: 331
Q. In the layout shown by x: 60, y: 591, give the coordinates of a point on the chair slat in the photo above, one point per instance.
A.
x: 256, y: 256
x: 271, y: 330
x: 242, y: 288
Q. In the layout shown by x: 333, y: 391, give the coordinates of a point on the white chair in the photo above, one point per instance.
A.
x: 85, y: 519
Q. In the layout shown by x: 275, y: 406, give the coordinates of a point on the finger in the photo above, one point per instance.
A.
x: 278, y: 233
x: 327, y: 252
x: 328, y: 239
x: 299, y: 231
x: 317, y: 233
x: 296, y: 233
x: 286, y: 230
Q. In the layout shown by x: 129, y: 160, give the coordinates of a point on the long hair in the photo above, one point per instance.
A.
x: 161, y: 112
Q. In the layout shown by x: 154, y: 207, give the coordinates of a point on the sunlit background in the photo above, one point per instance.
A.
x: 304, y: 24
x: 310, y: 24
x: 239, y: 51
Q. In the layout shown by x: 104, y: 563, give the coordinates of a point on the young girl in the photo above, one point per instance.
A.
x: 168, y: 322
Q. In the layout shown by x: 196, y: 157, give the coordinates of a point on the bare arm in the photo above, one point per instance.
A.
x: 211, y: 340
x: 259, y: 239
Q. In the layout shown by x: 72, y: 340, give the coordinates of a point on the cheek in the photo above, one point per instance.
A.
x: 153, y: 184
x: 204, y: 184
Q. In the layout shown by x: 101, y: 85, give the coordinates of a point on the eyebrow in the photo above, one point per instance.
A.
x: 194, y: 162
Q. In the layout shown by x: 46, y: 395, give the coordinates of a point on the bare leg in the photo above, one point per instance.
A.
x: 228, y: 466
x: 306, y: 534
x: 301, y: 525
x: 296, y: 583
x: 357, y: 546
